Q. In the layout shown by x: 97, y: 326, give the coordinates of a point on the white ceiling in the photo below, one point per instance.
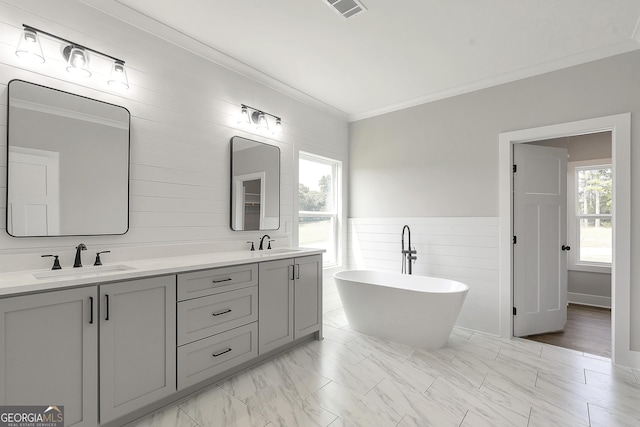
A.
x: 400, y: 52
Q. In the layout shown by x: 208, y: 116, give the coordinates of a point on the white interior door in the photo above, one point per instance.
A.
x: 34, y: 192
x: 540, y: 230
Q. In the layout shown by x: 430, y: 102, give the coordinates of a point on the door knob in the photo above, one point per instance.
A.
x: 566, y: 248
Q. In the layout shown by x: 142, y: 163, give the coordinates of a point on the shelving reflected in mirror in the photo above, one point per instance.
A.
x: 255, y: 185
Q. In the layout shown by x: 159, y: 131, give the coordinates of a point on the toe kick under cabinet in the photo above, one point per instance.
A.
x: 217, y: 321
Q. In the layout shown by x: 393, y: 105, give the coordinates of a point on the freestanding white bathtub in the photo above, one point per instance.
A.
x: 419, y: 311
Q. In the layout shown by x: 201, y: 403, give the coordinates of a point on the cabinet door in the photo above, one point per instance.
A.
x: 275, y: 304
x: 137, y: 344
x: 308, y: 295
x: 49, y: 352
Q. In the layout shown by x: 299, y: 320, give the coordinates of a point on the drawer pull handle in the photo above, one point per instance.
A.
x: 222, y: 352
x: 220, y: 313
x: 228, y: 279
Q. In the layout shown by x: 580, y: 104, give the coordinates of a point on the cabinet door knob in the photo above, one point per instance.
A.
x: 91, y: 310
x: 566, y: 247
x: 106, y: 307
x: 222, y: 280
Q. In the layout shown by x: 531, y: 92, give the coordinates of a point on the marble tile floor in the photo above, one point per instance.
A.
x: 350, y: 379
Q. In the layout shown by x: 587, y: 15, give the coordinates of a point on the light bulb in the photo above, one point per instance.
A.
x: 78, y: 62
x: 118, y: 77
x: 29, y: 47
x: 244, y: 117
x: 277, y: 128
x: 262, y: 122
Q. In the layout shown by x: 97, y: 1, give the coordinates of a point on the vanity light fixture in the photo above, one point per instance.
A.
x: 260, y: 119
x: 29, y: 47
x: 245, y: 120
x: 75, y: 55
x: 118, y: 77
x: 77, y: 61
x: 277, y: 129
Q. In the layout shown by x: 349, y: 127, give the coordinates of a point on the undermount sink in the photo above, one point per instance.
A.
x: 83, y: 271
x: 278, y: 251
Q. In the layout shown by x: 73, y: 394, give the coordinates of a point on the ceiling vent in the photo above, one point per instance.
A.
x: 347, y: 8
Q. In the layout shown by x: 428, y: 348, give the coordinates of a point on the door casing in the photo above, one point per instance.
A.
x: 620, y: 127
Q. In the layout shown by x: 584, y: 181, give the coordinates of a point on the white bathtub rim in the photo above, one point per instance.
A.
x: 408, y: 282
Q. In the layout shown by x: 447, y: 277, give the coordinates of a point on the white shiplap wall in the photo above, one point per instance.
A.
x: 462, y: 249
x: 184, y: 110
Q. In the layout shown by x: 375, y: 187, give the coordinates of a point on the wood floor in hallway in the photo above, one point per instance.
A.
x: 588, y: 330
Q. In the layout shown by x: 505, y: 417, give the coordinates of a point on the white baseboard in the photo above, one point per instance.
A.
x: 585, y: 299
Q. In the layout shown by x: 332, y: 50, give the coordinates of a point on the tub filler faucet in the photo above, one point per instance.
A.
x: 409, y: 255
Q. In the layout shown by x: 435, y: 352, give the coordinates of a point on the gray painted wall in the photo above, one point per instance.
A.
x: 589, y: 283
x: 441, y: 158
x: 592, y: 146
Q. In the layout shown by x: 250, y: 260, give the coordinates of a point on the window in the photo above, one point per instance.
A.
x: 319, y: 205
x: 590, y: 224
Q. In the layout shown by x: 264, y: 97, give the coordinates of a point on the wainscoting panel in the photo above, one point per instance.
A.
x: 462, y: 249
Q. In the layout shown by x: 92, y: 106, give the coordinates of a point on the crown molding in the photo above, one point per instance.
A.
x: 566, y: 62
x: 146, y: 23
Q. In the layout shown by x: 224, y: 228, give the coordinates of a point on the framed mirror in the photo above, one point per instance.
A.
x: 67, y: 164
x: 255, y: 185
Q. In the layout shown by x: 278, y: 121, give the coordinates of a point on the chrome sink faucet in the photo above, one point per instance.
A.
x: 78, y: 262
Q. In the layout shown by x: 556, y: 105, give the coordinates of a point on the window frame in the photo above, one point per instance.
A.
x: 573, y: 217
x: 336, y: 202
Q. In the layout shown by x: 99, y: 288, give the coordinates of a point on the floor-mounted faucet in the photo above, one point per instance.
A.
x: 409, y: 254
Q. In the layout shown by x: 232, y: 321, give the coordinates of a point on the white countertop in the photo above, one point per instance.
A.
x: 20, y: 282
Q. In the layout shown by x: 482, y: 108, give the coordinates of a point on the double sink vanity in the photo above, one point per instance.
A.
x: 113, y: 342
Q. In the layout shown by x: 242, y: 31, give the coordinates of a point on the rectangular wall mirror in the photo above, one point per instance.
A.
x: 67, y: 164
x: 255, y: 185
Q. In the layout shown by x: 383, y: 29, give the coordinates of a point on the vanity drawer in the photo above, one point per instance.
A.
x: 201, y: 360
x: 208, y: 282
x: 202, y: 317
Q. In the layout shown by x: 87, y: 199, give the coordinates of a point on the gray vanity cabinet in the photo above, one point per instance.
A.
x: 307, y: 295
x: 275, y: 304
x: 289, y: 300
x: 137, y: 344
x: 48, y: 352
x: 217, y: 321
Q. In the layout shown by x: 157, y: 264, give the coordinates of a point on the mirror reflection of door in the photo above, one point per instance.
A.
x: 250, y: 198
x: 85, y: 191
x: 33, y: 206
